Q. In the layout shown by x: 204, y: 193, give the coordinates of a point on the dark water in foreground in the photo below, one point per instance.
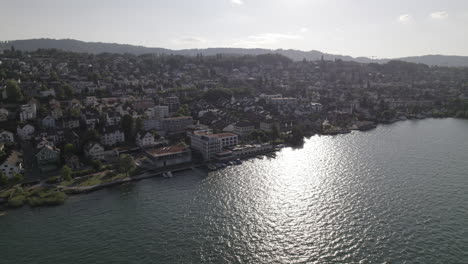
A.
x: 397, y: 194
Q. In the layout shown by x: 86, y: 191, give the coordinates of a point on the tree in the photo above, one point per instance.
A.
x: 125, y: 163
x: 66, y: 173
x: 97, y: 165
x: 68, y: 149
x: 91, y: 135
x: 68, y: 92
x: 17, y: 178
x: 138, y: 124
x: 127, y: 125
x: 3, y: 179
x: 13, y: 91
x: 183, y: 110
x: 275, y: 132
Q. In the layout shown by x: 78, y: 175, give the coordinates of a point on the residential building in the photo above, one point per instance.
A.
x: 94, y: 151
x: 111, y: 137
x: 243, y: 128
x: 158, y: 112
x: 6, y: 136
x: 12, y: 165
x: 28, y: 112
x: 26, y: 132
x: 48, y: 122
x: 175, y: 125
x: 48, y: 158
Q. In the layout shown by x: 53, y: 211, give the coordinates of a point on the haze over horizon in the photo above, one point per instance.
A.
x: 355, y: 28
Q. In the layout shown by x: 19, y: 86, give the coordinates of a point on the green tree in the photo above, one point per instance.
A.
x: 17, y: 178
x: 138, y: 124
x: 183, y: 110
x: 125, y: 164
x: 275, y: 132
x: 127, y: 125
x: 13, y: 91
x: 68, y: 149
x: 66, y: 173
x: 67, y: 90
x: 91, y: 135
x: 97, y: 165
x: 3, y: 179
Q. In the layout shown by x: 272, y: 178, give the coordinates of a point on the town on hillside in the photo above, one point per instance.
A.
x: 66, y: 115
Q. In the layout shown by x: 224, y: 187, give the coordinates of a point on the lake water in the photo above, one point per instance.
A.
x: 396, y: 194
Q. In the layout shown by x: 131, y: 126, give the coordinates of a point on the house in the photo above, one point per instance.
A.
x: 243, y: 129
x: 168, y: 156
x: 94, y: 151
x: 56, y: 112
x: 316, y: 107
x: 70, y: 122
x: 3, y: 114
x: 28, y: 112
x: 26, y: 132
x: 91, y: 100
x: 73, y: 138
x: 175, y: 125
x: 145, y: 139
x: 12, y: 165
x: 113, y: 118
x: 6, y: 136
x: 48, y: 158
x: 209, y: 144
x: 111, y: 137
x: 90, y: 118
x: 48, y: 122
x: 143, y: 103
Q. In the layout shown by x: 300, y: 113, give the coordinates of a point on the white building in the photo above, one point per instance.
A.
x: 12, y: 165
x: 146, y: 140
x: 243, y: 128
x: 6, y: 136
x: 28, y: 112
x: 26, y: 132
x: 48, y: 122
x: 158, y: 112
x: 209, y: 144
x: 112, y: 137
x: 94, y: 151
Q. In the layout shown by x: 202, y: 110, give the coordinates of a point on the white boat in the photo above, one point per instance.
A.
x: 167, y: 174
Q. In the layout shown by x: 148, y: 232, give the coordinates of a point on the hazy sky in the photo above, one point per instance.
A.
x: 381, y: 28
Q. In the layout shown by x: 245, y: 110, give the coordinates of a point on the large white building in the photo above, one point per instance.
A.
x: 158, y: 112
x: 209, y: 144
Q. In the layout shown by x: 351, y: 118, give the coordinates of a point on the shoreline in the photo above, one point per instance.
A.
x: 147, y: 174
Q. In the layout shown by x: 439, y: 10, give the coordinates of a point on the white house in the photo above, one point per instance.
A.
x: 25, y: 132
x: 48, y: 122
x: 145, y: 140
x: 12, y: 165
x: 28, y: 112
x: 158, y: 112
x: 6, y: 136
x: 94, y: 151
x: 112, y: 137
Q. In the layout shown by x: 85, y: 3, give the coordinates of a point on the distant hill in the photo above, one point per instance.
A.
x: 99, y: 47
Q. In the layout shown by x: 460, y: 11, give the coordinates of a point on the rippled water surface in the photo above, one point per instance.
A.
x: 396, y: 194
